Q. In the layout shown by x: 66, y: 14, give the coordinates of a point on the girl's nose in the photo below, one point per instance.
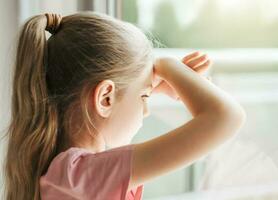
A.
x: 146, y: 110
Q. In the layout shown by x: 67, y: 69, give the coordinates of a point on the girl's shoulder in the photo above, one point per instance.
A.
x: 80, y: 171
x: 73, y: 154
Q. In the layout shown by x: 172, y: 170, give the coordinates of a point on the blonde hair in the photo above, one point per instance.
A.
x: 54, y: 78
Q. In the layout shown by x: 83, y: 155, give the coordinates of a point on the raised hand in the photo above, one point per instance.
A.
x: 196, y: 61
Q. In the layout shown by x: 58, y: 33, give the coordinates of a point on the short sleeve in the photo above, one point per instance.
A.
x: 98, y: 176
x: 103, y: 175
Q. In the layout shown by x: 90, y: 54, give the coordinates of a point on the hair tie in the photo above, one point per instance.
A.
x: 53, y: 22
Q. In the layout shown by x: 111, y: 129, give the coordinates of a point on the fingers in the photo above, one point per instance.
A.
x: 203, y: 67
x: 191, y: 56
x: 196, y: 62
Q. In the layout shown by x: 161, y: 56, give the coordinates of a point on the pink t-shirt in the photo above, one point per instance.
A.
x: 78, y: 173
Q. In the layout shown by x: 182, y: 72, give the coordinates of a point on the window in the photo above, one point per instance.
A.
x: 241, y: 39
x: 207, y: 23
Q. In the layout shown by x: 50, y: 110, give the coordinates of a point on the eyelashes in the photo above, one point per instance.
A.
x: 145, y: 96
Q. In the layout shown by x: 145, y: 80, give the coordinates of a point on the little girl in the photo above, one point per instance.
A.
x: 85, y: 90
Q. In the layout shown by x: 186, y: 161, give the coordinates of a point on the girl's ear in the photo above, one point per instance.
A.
x: 104, y: 98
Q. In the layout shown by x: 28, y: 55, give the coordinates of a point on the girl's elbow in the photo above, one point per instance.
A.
x: 231, y: 108
x: 241, y: 116
x: 234, y: 114
x: 239, y: 113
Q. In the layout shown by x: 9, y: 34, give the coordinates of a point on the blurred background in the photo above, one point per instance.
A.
x: 241, y: 37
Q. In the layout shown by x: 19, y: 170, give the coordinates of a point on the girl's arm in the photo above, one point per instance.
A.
x: 216, y: 118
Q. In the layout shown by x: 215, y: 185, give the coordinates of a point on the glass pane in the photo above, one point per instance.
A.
x: 241, y: 39
x: 207, y: 23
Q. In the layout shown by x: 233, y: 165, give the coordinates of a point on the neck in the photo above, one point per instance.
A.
x: 94, y: 144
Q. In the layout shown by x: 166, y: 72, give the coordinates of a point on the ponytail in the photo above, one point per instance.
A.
x: 33, y: 130
x: 52, y: 88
